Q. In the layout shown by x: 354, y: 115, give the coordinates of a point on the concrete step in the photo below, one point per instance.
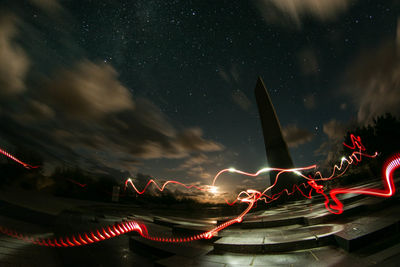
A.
x: 177, y: 260
x: 174, y: 221
x: 164, y: 221
x: 189, y: 230
x: 323, y: 216
x: 190, y: 249
x: 371, y: 228
x: 322, y: 256
x: 267, y: 240
x: 270, y: 221
x: 298, y: 212
x: 365, y: 204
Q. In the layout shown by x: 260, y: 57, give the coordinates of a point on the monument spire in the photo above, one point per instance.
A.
x: 278, y: 155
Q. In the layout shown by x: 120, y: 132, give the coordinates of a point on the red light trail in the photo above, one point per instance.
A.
x: 8, y: 155
x: 388, y: 183
x: 77, y: 183
x: 249, y: 196
x: 80, y: 239
x: 160, y: 188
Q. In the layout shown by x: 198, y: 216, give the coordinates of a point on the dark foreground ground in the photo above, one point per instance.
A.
x: 300, y: 233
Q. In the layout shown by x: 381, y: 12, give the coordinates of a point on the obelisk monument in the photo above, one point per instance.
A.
x: 278, y: 155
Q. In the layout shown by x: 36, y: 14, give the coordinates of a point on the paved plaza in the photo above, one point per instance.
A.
x: 301, y: 233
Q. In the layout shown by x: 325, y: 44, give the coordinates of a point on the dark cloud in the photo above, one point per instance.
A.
x: 47, y: 5
x: 34, y: 111
x: 334, y: 129
x: 373, y: 82
x: 14, y: 61
x: 241, y: 100
x: 86, y: 117
x: 308, y: 61
x: 292, y: 11
x: 192, y: 140
x: 232, y: 78
x: 309, y: 101
x: 89, y: 90
x: 199, y: 172
x: 194, y: 166
x: 194, y: 160
x: 296, y: 136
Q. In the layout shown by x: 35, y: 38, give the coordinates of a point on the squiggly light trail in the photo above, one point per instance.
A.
x: 249, y: 196
x: 26, y: 165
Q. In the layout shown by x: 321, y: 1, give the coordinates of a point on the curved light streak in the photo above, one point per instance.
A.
x: 249, y: 196
x: 8, y: 155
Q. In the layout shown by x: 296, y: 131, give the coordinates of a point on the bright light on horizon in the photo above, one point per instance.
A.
x: 213, y: 189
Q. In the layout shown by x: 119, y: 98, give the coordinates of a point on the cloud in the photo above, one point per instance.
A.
x: 309, y: 101
x: 34, y: 111
x: 292, y: 11
x: 308, y: 62
x: 232, y: 78
x: 373, y: 81
x: 89, y: 119
x: 194, y: 166
x: 137, y: 134
x: 334, y: 129
x: 295, y: 136
x: 194, y: 160
x: 191, y: 139
x: 14, y: 62
x: 224, y: 75
x: 47, y: 5
x: 89, y: 90
x: 199, y: 172
x: 241, y: 100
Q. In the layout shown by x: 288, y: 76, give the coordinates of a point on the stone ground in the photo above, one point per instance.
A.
x: 369, y: 227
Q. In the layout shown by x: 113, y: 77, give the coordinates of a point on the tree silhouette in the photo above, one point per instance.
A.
x: 382, y: 136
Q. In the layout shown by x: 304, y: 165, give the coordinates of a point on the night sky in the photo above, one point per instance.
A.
x: 166, y: 88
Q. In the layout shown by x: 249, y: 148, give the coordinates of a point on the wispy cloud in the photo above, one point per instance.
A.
x: 293, y: 11
x: 14, y: 62
x: 83, y: 115
x: 296, y: 136
x: 373, y: 81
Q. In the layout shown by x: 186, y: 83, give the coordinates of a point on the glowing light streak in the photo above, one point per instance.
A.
x: 84, y: 238
x: 77, y: 183
x: 388, y: 183
x: 26, y: 165
x: 161, y: 188
x: 355, y: 157
x: 249, y: 196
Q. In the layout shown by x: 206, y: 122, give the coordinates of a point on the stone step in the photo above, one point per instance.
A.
x: 299, y: 212
x: 189, y: 230
x: 265, y: 241
x: 257, y: 231
x: 174, y: 221
x: 325, y: 216
x: 360, y: 232
x: 139, y: 245
x: 266, y: 222
x: 322, y: 256
x: 365, y: 204
x: 164, y: 221
x: 177, y: 260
